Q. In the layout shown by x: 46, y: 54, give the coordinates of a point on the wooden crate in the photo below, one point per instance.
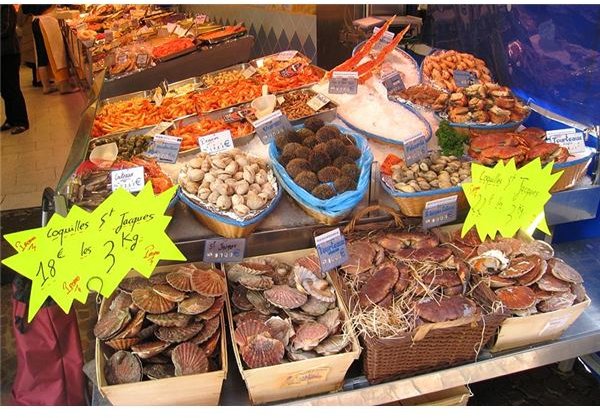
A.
x: 199, y: 389
x: 298, y: 378
x: 458, y: 396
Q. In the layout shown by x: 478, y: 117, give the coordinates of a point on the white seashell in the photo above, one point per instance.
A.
x: 249, y: 174
x: 205, y: 165
x: 241, y: 210
x: 224, y: 202
x: 264, y: 196
x: 190, y: 186
x: 236, y: 199
x: 195, y: 174
x: 204, y: 193
x: 242, y: 160
x: 215, y: 184
x: 239, y: 175
x: 254, y: 201
x: 224, y: 176
x: 255, y: 188
x: 254, y: 166
x: 209, y: 178
x: 221, y: 161
x: 230, y: 182
x: 196, y: 162
x: 232, y: 167
x: 213, y: 196
x: 241, y: 187
x: 268, y: 190
x: 261, y: 177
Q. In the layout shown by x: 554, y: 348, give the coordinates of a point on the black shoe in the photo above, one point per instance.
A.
x: 37, y: 84
x: 5, y: 127
x: 18, y: 130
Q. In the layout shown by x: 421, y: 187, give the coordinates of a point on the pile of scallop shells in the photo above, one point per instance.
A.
x: 165, y: 326
x: 434, y: 172
x: 524, y: 276
x: 284, y: 312
x: 231, y: 183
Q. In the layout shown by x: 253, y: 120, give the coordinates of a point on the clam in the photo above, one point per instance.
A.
x: 211, y: 345
x: 299, y: 355
x: 486, y: 264
x: 204, y: 193
x: 241, y: 210
x: 249, y: 174
x: 224, y: 202
x: 150, y: 349
x: 195, y: 175
x: 134, y: 326
x: 259, y: 302
x: 180, y: 280
x: 245, y: 316
x: 159, y: 371
x: 557, y: 301
x: 129, y: 284
x: 249, y: 329
x: 314, y: 306
x: 254, y: 200
x: 122, y: 343
x: 178, y: 334
x: 254, y: 282
x: 121, y: 301
x: 241, y: 187
x: 239, y: 299
x: 563, y: 271
x: 550, y: 283
x: 168, y: 292
x: 189, y: 359
x: 331, y: 319
x: 111, y: 323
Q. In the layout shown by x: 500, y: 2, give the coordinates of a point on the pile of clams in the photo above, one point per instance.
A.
x: 232, y: 183
x: 434, y: 172
x: 284, y: 312
x: 524, y: 276
x: 165, y: 326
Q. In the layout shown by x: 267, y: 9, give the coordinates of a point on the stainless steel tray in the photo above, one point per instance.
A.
x: 176, y: 54
x: 223, y: 38
x: 138, y: 94
x: 259, y: 62
x: 179, y: 123
x: 107, y: 139
x: 241, y: 67
x: 197, y: 81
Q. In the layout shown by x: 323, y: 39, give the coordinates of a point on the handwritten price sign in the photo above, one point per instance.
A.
x: 87, y: 251
x: 505, y: 199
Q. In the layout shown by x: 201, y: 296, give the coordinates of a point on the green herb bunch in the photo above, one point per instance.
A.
x: 450, y: 140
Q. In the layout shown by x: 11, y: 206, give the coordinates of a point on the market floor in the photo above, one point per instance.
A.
x: 35, y: 159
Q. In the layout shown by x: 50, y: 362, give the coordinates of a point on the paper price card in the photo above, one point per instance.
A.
x: 224, y: 250
x: 385, y: 39
x: 343, y: 82
x: 249, y: 72
x: 415, y: 150
x: 159, y: 129
x: 464, y: 78
x: 331, y: 248
x: 291, y: 70
x: 166, y: 148
x: 237, y: 115
x: 285, y: 55
x: 86, y: 251
x: 568, y: 138
x: 216, y: 143
x: 200, y: 19
x: 505, y: 199
x: 440, y: 211
x: 393, y: 82
x: 318, y: 101
x: 268, y: 127
x: 130, y: 179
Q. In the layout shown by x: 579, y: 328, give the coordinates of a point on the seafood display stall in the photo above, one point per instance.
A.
x: 353, y: 141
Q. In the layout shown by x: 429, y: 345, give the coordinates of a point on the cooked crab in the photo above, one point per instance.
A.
x: 490, y: 156
x: 547, y: 152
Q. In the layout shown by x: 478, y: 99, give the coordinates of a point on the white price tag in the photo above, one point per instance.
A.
x: 249, y: 72
x: 166, y: 148
x: 285, y: 55
x: 568, y: 138
x: 331, y: 248
x: 122, y: 58
x: 553, y: 325
x: 108, y: 36
x: 393, y: 82
x: 159, y: 129
x: 130, y: 179
x: 268, y: 127
x: 216, y: 143
x: 415, y: 150
x: 385, y: 39
x: 171, y: 27
x: 440, y: 211
x: 280, y: 100
x: 343, y: 82
x: 179, y: 31
x: 318, y: 101
x: 464, y: 78
x: 200, y: 19
x: 158, y: 96
x: 224, y: 250
x: 141, y: 60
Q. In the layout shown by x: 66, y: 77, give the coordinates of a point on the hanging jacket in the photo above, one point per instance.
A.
x: 8, y: 19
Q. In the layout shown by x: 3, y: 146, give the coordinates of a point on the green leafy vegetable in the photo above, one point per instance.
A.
x: 450, y: 140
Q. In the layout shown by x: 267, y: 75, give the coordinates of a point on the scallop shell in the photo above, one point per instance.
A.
x: 516, y: 297
x: 211, y: 345
x: 299, y: 355
x: 235, y: 272
x: 486, y: 263
x: 158, y: 359
x: 252, y: 282
x: 147, y: 332
x: 195, y: 304
x: 331, y: 319
x: 332, y: 345
x: 535, y: 274
x: 169, y: 293
x: 563, y: 271
x: 259, y: 302
x: 248, y: 329
x: 320, y: 289
x: 256, y: 268
x: 149, y: 301
x: 550, y: 283
x: 262, y: 351
x: 129, y: 284
x: 171, y: 319
x: 525, y: 312
x: 496, y: 281
x: 122, y: 343
x: 134, y: 326
x: 210, y: 327
x: 302, y: 274
x: 280, y: 329
x: 158, y: 279
x: 180, y: 280
x: 245, y: 316
x: 285, y: 297
x: 298, y: 317
x: 111, y: 323
x: 214, y: 310
x: 579, y: 291
x: 518, y: 267
x: 447, y: 309
x: 309, y: 335
x: 189, y: 359
x: 239, y: 299
x: 178, y: 334
x: 540, y: 294
x: 556, y: 302
x: 159, y: 371
x: 123, y: 367
x: 122, y: 300
x: 504, y: 246
x: 540, y: 248
x: 311, y: 263
x: 209, y: 283
x: 314, y: 306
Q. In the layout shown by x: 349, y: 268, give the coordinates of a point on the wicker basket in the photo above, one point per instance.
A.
x: 429, y: 347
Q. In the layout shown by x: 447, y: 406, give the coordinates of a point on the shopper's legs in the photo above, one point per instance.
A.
x: 14, y: 103
x: 42, y: 57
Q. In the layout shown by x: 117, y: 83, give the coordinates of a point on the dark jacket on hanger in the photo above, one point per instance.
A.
x: 10, y: 42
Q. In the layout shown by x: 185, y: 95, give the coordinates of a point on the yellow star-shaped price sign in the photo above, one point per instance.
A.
x: 505, y: 199
x: 83, y: 251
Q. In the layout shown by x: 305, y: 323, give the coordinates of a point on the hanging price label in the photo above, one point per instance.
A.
x: 415, y: 150
x: 285, y: 55
x: 568, y: 138
x: 249, y: 72
x: 393, y: 82
x: 130, y: 179
x: 385, y: 39
x: 166, y: 148
x: 343, y: 82
x: 331, y: 248
x: 159, y: 129
x: 464, y: 78
x: 291, y: 70
x: 440, y: 211
x: 200, y: 19
x: 268, y: 127
x: 216, y: 143
x: 179, y: 31
x: 318, y: 101
x: 224, y: 250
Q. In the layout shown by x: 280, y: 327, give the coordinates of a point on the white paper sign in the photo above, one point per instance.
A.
x: 285, y: 55
x: 216, y: 143
x: 223, y: 250
x: 554, y: 325
x: 159, y: 128
x: 331, y: 248
x: 200, y: 19
x: 343, y: 82
x: 130, y: 179
x: 415, y: 150
x: 568, y: 138
x: 249, y: 72
x: 179, y: 31
x: 268, y: 127
x: 318, y: 101
x: 171, y: 27
x: 440, y: 211
x: 166, y: 148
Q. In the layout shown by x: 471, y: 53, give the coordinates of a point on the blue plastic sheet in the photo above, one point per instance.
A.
x: 338, y: 205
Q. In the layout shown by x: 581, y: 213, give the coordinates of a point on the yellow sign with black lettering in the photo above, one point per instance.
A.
x: 93, y: 251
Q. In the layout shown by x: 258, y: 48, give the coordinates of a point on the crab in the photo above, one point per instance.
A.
x: 494, y: 140
x: 490, y: 156
x: 402, y: 240
x: 547, y: 152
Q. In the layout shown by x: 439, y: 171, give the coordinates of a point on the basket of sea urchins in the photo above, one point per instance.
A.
x: 324, y: 168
